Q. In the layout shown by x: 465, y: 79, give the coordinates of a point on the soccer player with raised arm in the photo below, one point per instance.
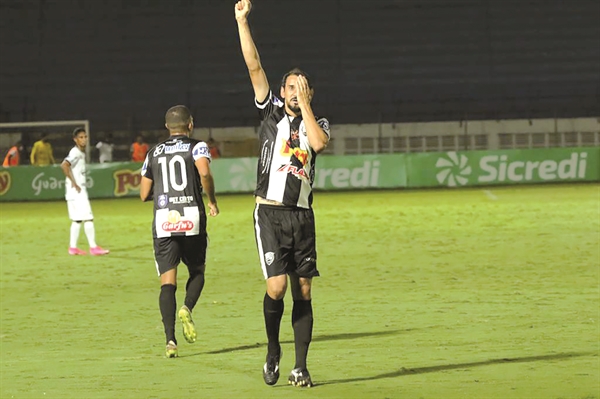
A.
x: 290, y: 137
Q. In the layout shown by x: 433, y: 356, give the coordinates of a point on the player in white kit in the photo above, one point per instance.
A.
x: 78, y: 203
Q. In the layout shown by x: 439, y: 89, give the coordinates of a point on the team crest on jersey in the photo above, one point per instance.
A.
x: 162, y: 200
x: 324, y: 124
x: 269, y: 258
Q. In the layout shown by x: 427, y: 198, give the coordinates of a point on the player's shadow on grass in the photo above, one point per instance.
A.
x: 444, y: 367
x: 330, y: 337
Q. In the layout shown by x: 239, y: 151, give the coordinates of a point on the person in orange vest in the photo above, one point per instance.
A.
x: 139, y: 149
x: 214, y: 148
x: 13, y: 157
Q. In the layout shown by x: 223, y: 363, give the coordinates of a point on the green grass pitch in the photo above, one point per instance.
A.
x: 471, y: 293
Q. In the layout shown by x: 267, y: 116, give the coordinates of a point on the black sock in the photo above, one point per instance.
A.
x: 168, y: 304
x: 193, y: 289
x: 302, y: 321
x: 273, y: 310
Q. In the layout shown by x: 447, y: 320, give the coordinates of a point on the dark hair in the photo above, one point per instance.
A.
x: 77, y: 130
x: 296, y: 71
x: 178, y: 117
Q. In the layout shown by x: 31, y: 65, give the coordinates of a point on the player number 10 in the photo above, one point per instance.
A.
x: 170, y: 175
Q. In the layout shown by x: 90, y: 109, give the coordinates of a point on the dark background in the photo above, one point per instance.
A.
x: 121, y: 64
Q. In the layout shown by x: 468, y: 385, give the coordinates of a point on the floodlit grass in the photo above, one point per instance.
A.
x: 423, y: 294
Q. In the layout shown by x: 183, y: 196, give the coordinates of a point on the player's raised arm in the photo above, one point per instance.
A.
x: 251, y: 57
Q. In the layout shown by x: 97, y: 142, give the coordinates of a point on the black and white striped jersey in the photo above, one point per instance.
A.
x: 286, y: 164
x: 177, y: 190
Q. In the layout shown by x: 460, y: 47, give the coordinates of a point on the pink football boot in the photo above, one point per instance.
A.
x: 98, y: 251
x: 76, y: 251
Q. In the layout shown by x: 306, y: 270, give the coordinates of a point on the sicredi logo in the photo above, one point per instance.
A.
x: 498, y: 168
x: 454, y: 169
x: 366, y: 175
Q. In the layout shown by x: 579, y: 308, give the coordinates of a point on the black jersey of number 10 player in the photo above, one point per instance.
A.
x: 178, y: 205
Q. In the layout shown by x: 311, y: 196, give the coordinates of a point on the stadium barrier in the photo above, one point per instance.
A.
x: 410, y: 170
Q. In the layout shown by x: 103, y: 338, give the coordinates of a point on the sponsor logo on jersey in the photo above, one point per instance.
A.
x: 184, y: 199
x: 300, y: 154
x: 159, y: 150
x: 201, y: 150
x: 177, y: 147
x: 300, y: 173
x: 175, y: 224
x: 162, y: 200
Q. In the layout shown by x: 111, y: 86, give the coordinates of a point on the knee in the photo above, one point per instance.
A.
x: 197, y: 270
x: 276, y: 287
x: 303, y: 294
x: 276, y: 293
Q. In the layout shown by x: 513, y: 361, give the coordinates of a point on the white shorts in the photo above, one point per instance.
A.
x: 80, y: 209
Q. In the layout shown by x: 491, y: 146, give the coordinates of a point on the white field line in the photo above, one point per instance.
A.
x: 490, y: 195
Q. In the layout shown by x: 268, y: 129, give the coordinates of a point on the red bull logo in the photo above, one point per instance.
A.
x: 5, y: 181
x: 300, y: 154
x: 126, y: 181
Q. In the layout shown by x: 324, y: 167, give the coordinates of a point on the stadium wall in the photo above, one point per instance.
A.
x: 376, y: 171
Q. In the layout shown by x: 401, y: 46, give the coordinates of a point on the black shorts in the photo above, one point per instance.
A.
x: 286, y: 242
x: 191, y: 250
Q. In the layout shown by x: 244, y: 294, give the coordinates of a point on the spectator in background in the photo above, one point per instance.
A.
x: 214, y: 148
x: 13, y: 157
x: 139, y: 149
x: 41, y: 153
x: 106, y: 147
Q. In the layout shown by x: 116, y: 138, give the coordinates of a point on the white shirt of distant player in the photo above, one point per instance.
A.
x: 106, y: 151
x: 171, y: 221
x: 76, y: 158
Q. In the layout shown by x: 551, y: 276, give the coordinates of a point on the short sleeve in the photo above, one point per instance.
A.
x: 146, y: 170
x: 268, y: 106
x: 201, y: 150
x: 73, y: 156
x: 324, y: 124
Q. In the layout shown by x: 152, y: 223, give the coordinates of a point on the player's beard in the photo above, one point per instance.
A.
x: 294, y: 108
